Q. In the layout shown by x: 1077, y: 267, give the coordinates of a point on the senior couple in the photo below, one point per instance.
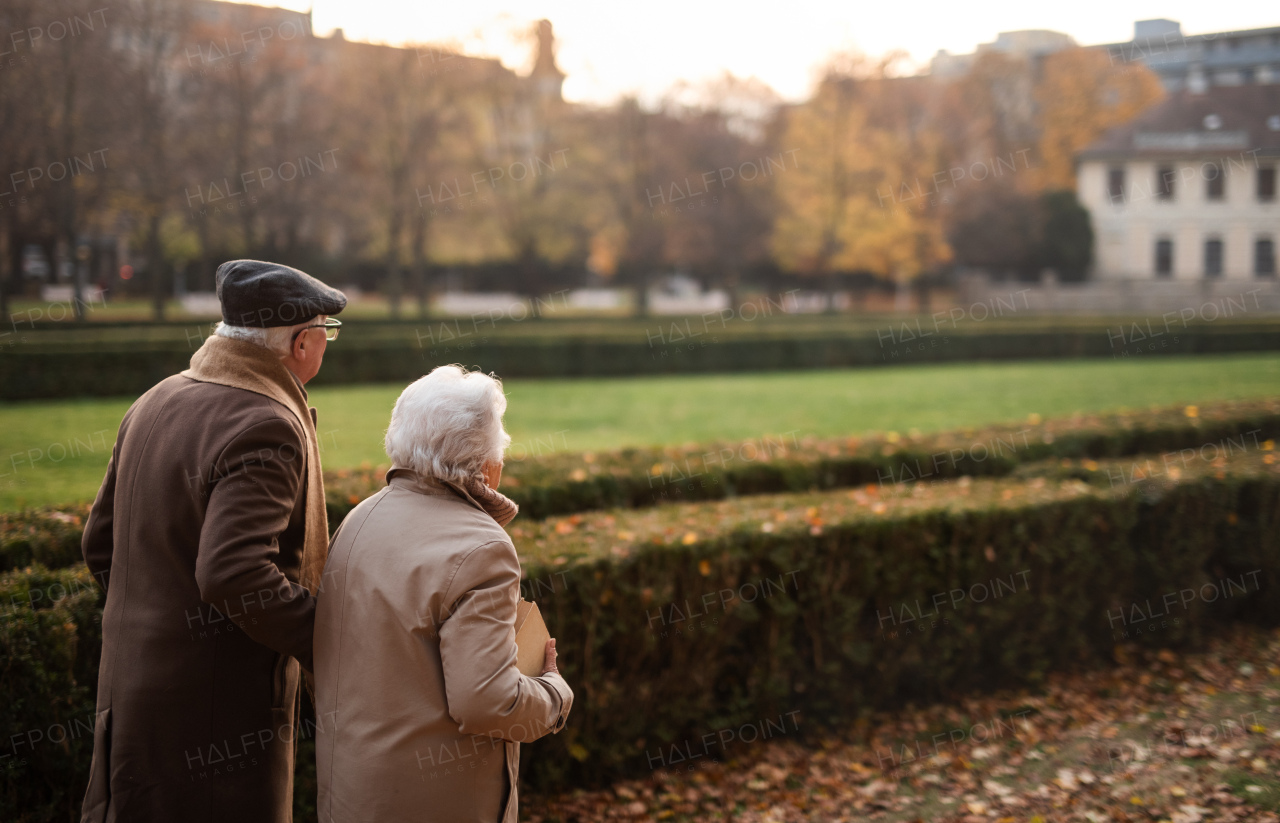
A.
x: 210, y: 537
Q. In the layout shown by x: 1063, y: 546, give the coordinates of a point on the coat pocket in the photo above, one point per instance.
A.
x: 97, y: 797
x: 511, y: 804
x: 284, y: 682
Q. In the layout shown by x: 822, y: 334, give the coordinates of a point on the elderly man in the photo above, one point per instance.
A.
x: 209, y: 536
x: 420, y: 703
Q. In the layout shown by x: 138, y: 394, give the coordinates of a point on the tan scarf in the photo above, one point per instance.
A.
x: 492, y: 502
x: 496, y: 504
x: 243, y: 365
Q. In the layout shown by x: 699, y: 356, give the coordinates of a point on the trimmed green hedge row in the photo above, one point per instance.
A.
x: 46, y: 538
x: 50, y: 641
x: 868, y: 613
x: 556, y: 484
x: 101, y: 371
x: 860, y: 601
x: 568, y: 483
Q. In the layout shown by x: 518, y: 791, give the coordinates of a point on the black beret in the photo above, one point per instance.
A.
x: 266, y: 295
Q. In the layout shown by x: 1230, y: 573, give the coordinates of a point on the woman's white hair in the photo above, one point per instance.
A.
x: 277, y: 339
x: 448, y: 425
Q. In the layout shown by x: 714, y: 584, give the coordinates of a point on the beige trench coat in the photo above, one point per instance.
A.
x: 420, y: 708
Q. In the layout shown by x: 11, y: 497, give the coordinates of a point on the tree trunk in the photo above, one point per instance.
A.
x: 731, y: 287
x: 204, y: 270
x: 901, y: 296
x: 155, y: 267
x: 6, y: 264
x: 529, y: 277
x: 421, y: 286
x: 80, y: 276
x: 395, y: 281
x: 394, y: 287
x: 68, y: 204
x: 641, y: 308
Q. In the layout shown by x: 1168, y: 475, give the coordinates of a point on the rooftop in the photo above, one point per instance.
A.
x: 1224, y: 118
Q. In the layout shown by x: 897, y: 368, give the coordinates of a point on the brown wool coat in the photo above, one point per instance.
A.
x: 420, y: 708
x: 197, y: 536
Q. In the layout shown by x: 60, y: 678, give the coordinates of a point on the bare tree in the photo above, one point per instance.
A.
x: 152, y: 61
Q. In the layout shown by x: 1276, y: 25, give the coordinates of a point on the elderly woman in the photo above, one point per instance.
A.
x: 420, y: 707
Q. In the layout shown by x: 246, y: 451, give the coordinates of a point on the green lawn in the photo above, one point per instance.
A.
x: 55, y: 452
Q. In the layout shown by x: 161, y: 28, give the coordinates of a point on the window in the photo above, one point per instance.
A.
x: 1215, y: 185
x: 1267, y: 184
x: 1264, y: 257
x: 1213, y: 257
x: 1164, y: 182
x: 1164, y: 258
x: 1115, y: 185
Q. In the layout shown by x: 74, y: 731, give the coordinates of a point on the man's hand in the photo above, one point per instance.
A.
x: 549, y: 661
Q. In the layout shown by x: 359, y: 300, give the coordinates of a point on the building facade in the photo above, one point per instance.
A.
x: 1195, y: 62
x: 1026, y: 44
x: 1187, y: 191
x: 1190, y: 62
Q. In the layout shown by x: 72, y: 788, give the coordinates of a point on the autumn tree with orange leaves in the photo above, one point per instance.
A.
x: 856, y: 203
x: 1081, y: 95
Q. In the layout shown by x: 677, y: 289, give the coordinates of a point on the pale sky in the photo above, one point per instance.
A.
x: 609, y: 48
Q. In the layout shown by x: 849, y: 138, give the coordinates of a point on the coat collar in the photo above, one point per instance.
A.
x: 244, y: 365
x: 493, y: 503
x: 406, y: 478
x: 239, y: 364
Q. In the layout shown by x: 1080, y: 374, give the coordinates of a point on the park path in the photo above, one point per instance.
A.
x: 1162, y: 736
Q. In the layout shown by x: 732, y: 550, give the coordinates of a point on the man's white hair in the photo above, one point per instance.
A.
x: 278, y: 339
x: 448, y: 425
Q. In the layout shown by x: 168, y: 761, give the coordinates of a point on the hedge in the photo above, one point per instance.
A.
x: 1081, y: 571
x: 49, y: 538
x: 33, y: 371
x: 564, y: 483
x: 50, y: 640
x: 827, y: 594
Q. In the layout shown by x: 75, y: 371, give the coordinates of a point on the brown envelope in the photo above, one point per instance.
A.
x: 531, y: 639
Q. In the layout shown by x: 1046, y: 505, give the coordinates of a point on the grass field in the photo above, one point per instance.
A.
x: 55, y: 452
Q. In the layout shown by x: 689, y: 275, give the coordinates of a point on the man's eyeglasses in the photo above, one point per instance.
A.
x: 331, y: 327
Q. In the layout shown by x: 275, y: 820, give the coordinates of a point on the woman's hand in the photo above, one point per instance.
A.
x: 549, y: 661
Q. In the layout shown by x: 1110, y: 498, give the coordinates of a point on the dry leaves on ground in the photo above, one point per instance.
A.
x: 1161, y: 737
